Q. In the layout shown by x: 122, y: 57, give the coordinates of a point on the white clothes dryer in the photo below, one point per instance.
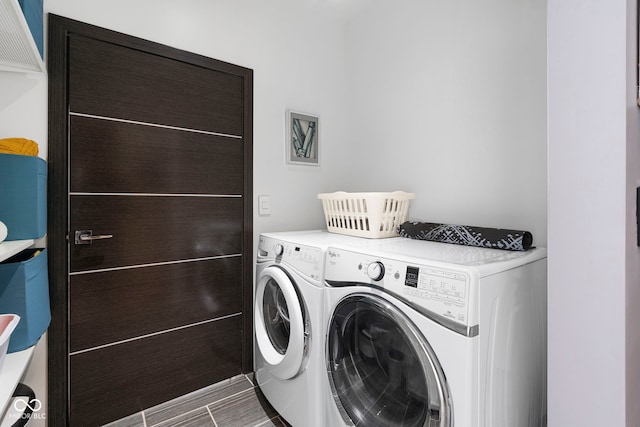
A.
x: 289, y: 323
x: 432, y: 334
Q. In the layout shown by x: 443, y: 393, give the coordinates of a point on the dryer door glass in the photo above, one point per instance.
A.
x: 276, y: 316
x: 381, y: 369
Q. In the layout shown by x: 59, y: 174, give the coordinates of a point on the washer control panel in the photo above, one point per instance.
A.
x: 437, y: 284
x: 375, y: 271
x: 438, y: 290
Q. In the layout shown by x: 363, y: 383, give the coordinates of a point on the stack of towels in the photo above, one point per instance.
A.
x: 23, y: 146
x: 20, y: 146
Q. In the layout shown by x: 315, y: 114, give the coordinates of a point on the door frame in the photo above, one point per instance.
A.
x: 60, y: 28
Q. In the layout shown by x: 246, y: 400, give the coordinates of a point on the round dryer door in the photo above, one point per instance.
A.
x: 382, y: 370
x: 280, y: 324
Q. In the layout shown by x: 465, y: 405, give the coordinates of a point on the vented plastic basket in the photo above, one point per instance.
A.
x: 372, y: 215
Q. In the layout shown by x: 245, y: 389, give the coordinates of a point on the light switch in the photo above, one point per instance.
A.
x: 264, y: 205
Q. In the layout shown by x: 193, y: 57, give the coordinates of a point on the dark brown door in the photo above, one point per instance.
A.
x: 150, y: 222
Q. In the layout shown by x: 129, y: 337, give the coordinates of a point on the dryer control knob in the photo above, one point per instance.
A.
x: 279, y: 249
x: 375, y: 270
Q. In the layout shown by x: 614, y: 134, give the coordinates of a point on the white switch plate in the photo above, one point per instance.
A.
x: 264, y: 205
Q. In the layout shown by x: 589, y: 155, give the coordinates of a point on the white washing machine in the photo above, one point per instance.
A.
x: 289, y: 323
x: 432, y: 334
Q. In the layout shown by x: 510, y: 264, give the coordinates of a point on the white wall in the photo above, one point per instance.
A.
x: 295, y: 50
x: 23, y: 107
x: 445, y: 99
x: 593, y: 171
x: 632, y: 279
x: 440, y: 82
x: 23, y: 113
x: 448, y: 100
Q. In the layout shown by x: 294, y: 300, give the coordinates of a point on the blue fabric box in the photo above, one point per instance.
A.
x: 23, y: 196
x: 24, y: 290
x: 33, y: 14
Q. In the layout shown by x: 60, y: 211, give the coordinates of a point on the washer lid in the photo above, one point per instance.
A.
x: 381, y: 369
x: 281, y: 329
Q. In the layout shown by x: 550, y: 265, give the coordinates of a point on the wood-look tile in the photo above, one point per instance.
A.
x: 197, y: 418
x: 252, y: 377
x: 135, y: 420
x: 274, y: 422
x: 249, y: 408
x: 197, y: 399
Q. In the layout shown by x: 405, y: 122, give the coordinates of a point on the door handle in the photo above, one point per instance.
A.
x: 86, y: 237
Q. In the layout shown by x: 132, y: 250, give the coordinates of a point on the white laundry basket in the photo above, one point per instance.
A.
x: 372, y: 215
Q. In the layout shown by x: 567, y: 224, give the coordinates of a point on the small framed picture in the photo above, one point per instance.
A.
x: 302, y: 138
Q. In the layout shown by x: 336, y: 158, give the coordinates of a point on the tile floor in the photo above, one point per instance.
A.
x: 235, y: 402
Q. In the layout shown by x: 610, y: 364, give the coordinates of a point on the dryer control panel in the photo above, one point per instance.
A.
x: 440, y: 292
x: 305, y: 260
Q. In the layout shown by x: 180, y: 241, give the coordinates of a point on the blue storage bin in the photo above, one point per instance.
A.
x: 33, y: 14
x: 24, y: 290
x: 23, y: 196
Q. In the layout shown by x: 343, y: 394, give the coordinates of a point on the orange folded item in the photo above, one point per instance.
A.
x: 22, y: 146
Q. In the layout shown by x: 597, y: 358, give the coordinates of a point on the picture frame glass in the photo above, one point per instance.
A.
x: 302, y: 140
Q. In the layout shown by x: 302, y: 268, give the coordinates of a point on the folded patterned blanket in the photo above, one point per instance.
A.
x: 21, y: 146
x: 495, y: 238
